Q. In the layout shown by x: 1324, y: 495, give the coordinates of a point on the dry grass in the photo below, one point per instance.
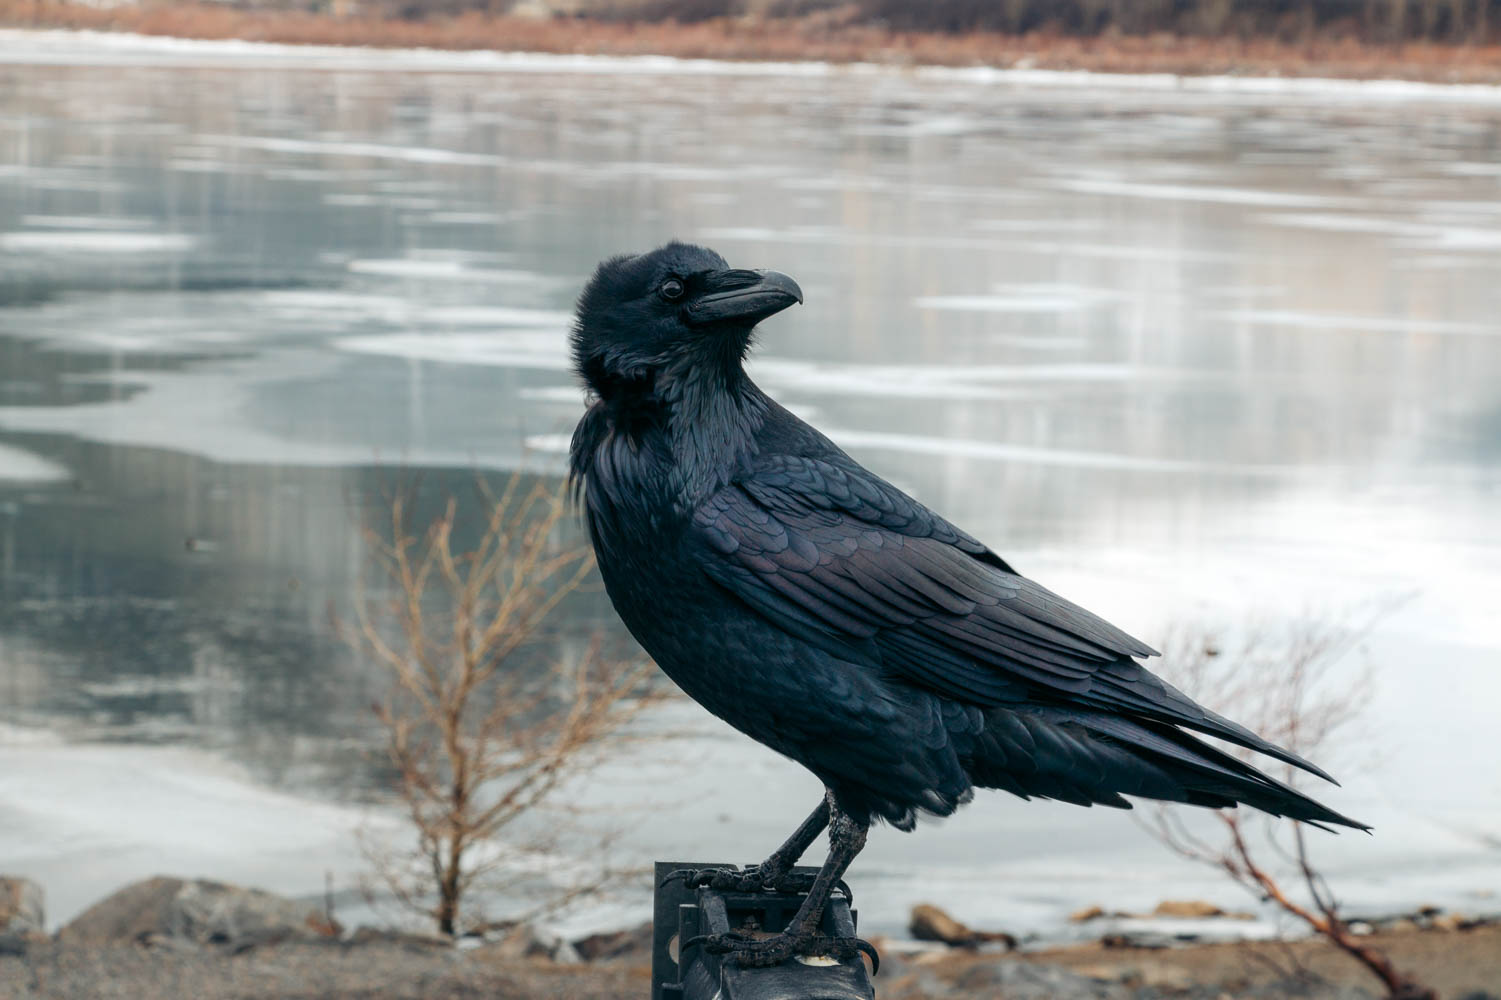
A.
x: 824, y: 37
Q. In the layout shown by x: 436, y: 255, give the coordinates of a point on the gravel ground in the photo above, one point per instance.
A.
x: 1462, y: 964
x: 304, y: 972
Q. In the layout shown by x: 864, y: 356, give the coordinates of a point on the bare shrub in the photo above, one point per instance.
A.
x: 487, y: 715
x: 1276, y: 682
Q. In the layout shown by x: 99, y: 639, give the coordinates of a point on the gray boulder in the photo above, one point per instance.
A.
x: 930, y: 923
x: 530, y: 941
x: 176, y: 912
x: 23, y: 915
x: 633, y: 942
x: 381, y: 937
x: 22, y: 906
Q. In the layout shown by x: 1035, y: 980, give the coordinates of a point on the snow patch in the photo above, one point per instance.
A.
x: 1368, y: 324
x: 441, y: 270
x: 83, y: 816
x: 96, y: 242
x: 546, y: 349
x: 1021, y: 299
x: 18, y: 466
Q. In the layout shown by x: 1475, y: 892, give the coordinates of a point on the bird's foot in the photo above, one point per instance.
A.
x: 747, y: 879
x: 751, y: 878
x: 759, y: 952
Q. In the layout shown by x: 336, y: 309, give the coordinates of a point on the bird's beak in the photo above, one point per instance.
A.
x: 741, y: 297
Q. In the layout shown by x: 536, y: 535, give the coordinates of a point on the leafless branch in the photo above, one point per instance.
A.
x: 485, y: 721
x: 1277, y: 688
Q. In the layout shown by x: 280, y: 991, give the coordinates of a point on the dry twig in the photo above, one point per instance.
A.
x: 1275, y: 688
x: 485, y: 722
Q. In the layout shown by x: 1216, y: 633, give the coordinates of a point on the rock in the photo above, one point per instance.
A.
x: 22, y: 906
x: 174, y: 911
x: 1449, y: 922
x: 20, y: 942
x: 406, y: 940
x: 615, y: 944
x: 929, y: 923
x: 1030, y: 981
x: 564, y: 953
x: 1164, y: 978
x: 530, y: 941
x: 1195, y: 909
x: 1143, y: 939
x: 1087, y: 914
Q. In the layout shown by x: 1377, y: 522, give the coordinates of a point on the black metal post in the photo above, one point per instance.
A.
x: 681, y: 913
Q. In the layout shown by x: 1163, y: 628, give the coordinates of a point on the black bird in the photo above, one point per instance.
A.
x: 823, y: 612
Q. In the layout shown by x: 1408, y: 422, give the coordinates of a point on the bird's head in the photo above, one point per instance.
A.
x: 679, y: 308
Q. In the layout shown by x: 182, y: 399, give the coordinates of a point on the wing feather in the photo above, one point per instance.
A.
x: 838, y: 557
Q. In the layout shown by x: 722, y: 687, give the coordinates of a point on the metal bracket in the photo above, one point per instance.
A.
x: 680, y: 913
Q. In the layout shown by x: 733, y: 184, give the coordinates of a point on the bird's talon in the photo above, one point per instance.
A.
x: 848, y: 949
x: 753, y: 878
x: 715, y: 944
x: 759, y: 952
x: 714, y: 878
x: 684, y: 874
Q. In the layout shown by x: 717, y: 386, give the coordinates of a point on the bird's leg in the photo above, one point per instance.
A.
x: 774, y: 872
x: 801, y: 935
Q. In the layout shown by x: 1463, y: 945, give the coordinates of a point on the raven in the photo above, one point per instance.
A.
x: 823, y: 612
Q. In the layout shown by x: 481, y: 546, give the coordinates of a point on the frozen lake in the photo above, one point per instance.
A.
x: 1218, y: 353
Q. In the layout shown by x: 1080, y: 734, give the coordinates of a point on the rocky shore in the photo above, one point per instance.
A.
x: 174, y: 937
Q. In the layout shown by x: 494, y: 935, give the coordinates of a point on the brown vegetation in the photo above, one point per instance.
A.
x: 1289, y: 20
x: 1277, y: 689
x: 1458, y: 963
x: 483, y: 722
x: 837, y: 36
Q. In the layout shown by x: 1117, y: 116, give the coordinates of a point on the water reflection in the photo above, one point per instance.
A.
x: 1228, y: 350
x: 164, y: 598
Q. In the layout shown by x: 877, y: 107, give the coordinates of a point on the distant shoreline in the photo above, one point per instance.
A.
x: 87, y: 47
x: 790, y: 40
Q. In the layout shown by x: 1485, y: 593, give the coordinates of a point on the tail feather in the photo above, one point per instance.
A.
x: 1094, y: 757
x: 1126, y: 687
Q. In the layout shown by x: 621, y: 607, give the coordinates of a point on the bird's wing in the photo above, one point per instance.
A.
x: 841, y: 559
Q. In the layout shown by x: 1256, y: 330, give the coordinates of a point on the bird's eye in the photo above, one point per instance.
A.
x: 672, y: 289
